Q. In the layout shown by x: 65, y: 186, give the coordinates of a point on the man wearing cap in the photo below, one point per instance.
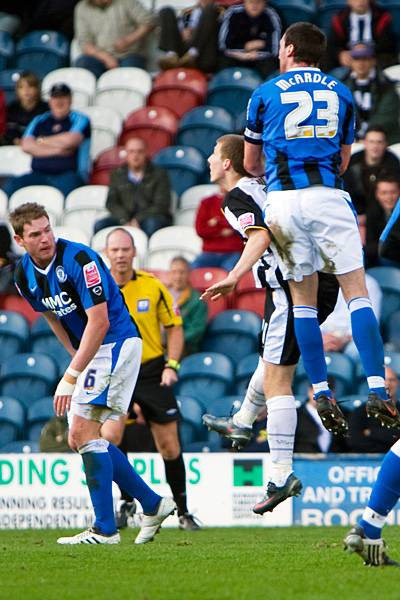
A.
x: 58, y: 141
x: 375, y: 96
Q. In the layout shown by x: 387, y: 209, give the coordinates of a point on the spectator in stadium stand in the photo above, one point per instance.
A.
x: 56, y: 141
x: 190, y: 39
x: 139, y: 193
x: 193, y: 310
x: 336, y: 330
x: 7, y: 262
x: 20, y: 112
x: 249, y: 37
x: 311, y: 436
x: 366, y: 434
x: 387, y: 193
x: 222, y: 246
x: 375, y: 96
x: 111, y: 34
x: 365, y: 167
x: 365, y: 22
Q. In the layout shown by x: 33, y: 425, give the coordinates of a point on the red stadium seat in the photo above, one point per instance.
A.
x: 155, y: 125
x: 203, y: 278
x: 163, y: 276
x: 106, y: 161
x: 180, y: 90
x: 21, y: 306
x: 248, y: 297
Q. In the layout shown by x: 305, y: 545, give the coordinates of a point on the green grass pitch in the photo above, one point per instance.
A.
x: 212, y: 564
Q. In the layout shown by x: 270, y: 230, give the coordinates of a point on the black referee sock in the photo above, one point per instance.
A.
x: 175, y: 473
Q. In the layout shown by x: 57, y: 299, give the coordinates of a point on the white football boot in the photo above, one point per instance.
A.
x: 90, y: 537
x: 151, y: 524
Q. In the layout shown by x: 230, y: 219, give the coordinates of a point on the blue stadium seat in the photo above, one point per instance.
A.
x: 389, y: 281
x: 39, y: 413
x: 225, y: 406
x: 393, y: 6
x: 233, y: 333
x: 6, y: 50
x: 186, y: 166
x: 12, y: 419
x: 41, y: 52
x: 8, y: 79
x: 14, y: 333
x: 205, y: 376
x: 43, y: 340
x: 231, y: 89
x: 20, y: 447
x: 393, y: 329
x: 351, y: 402
x: 326, y: 10
x: 206, y: 446
x: 202, y: 126
x: 340, y: 366
x: 28, y: 377
x: 191, y: 412
x: 392, y: 360
x: 244, y: 372
x: 293, y: 11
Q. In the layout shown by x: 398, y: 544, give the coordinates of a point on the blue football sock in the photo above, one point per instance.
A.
x: 127, y: 479
x: 99, y: 477
x: 385, y: 494
x: 369, y: 343
x: 309, y: 339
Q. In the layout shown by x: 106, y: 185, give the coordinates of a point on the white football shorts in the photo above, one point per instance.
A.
x: 104, y: 389
x: 313, y: 229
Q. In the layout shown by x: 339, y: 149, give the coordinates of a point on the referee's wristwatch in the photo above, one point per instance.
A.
x: 172, y: 364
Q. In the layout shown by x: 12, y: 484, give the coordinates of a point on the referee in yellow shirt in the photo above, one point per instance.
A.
x: 152, y: 306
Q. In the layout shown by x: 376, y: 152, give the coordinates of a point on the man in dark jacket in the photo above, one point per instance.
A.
x: 375, y: 96
x: 361, y: 21
x: 139, y: 194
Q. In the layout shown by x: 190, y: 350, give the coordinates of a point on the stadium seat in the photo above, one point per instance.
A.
x: 191, y: 412
x: 123, y: 89
x: 28, y: 377
x: 340, y: 367
x: 248, y: 297
x: 105, y: 162
x: 326, y: 10
x: 202, y: 126
x: 244, y: 372
x: 141, y: 242
x: 41, y: 52
x: 392, y: 360
x: 14, y: 333
x: 180, y: 90
x: 87, y: 196
x: 8, y: 79
x: 293, y: 11
x: 13, y: 161
x: 3, y: 204
x: 357, y: 147
x: 168, y: 242
x: 186, y: 166
x: 393, y: 330
x: 205, y: 376
x: 225, y: 406
x: 84, y: 218
x: 204, y: 446
x: 393, y: 6
x: 351, y: 402
x: 20, y: 447
x: 231, y: 89
x: 395, y: 148
x: 38, y: 414
x: 7, y: 49
x: 12, y: 419
x: 44, y: 341
x: 106, y: 124
x: 157, y: 126
x: 49, y: 197
x: 203, y: 278
x: 19, y: 305
x: 233, y: 333
x: 73, y: 234
x: 81, y: 81
x: 192, y: 197
x: 389, y: 282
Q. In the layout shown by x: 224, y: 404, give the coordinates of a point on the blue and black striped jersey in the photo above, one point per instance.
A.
x: 302, y: 118
x: 74, y: 281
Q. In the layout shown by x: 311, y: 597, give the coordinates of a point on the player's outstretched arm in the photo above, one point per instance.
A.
x: 257, y: 243
x: 92, y: 338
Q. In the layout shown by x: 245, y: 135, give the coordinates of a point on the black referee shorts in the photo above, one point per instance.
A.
x: 278, y: 344
x: 158, y: 403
